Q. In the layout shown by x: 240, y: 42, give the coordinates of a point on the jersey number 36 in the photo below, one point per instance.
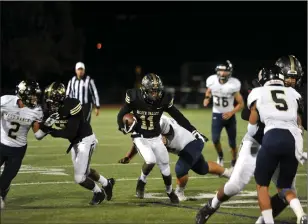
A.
x: 220, y: 101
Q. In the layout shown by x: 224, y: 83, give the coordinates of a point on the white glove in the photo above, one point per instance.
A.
x: 51, y: 120
x: 200, y: 136
x: 131, y: 128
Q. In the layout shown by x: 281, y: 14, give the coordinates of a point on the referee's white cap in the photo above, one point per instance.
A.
x: 80, y: 65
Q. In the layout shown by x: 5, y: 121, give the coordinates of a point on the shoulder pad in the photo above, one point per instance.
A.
x: 8, y: 99
x: 130, y: 95
x: 73, y: 106
x: 236, y: 84
x: 253, y: 96
x: 210, y: 80
x: 295, y: 93
x: 167, y: 100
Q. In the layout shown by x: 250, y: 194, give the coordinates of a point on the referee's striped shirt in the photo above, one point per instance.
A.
x: 84, y: 90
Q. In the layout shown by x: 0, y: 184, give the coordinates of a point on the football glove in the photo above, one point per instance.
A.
x: 51, y: 120
x: 124, y: 160
x: 199, y: 136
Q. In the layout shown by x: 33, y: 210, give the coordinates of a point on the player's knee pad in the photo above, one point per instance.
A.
x: 164, y: 169
x: 282, y: 193
x: 231, y: 188
x: 79, y: 178
x: 201, y: 169
x: 181, y: 169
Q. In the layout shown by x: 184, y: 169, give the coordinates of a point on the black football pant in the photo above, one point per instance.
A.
x: 87, y: 110
x: 12, y: 158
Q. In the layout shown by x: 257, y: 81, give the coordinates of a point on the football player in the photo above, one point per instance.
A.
x: 189, y: 149
x: 19, y: 113
x: 67, y: 120
x: 282, y: 142
x: 224, y: 89
x: 148, y: 103
x: 244, y: 169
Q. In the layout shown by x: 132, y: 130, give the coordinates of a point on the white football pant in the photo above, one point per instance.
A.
x: 81, y: 157
x: 153, y: 151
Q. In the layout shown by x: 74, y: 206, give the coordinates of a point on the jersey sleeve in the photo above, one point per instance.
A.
x: 75, y: 108
x: 236, y: 85
x: 253, y: 96
x: 39, y: 114
x: 164, y: 124
x: 210, y: 81
x: 127, y: 107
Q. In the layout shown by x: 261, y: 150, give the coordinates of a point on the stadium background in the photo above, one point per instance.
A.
x: 182, y: 42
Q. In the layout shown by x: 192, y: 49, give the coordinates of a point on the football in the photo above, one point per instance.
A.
x: 128, y: 119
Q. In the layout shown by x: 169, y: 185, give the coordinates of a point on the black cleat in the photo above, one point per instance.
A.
x: 108, y: 188
x: 140, y: 189
x: 98, y: 198
x: 173, y: 197
x: 205, y: 213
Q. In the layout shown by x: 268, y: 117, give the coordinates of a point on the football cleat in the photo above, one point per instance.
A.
x: 227, y: 173
x: 140, y: 189
x: 173, y: 197
x: 98, y: 198
x: 181, y: 195
x: 220, y: 161
x: 205, y: 213
x: 303, y: 220
x: 108, y: 189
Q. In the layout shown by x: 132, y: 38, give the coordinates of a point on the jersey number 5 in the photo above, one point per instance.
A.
x: 147, y: 122
x: 223, y: 100
x: 12, y: 131
x: 281, y: 104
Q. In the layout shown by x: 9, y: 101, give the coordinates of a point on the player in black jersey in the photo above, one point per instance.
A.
x: 147, y: 104
x: 66, y: 120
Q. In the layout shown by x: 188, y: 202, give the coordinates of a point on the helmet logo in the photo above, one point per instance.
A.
x: 22, y: 87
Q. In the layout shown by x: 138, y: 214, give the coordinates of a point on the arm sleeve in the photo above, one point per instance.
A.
x: 70, y: 132
x: 179, y: 117
x: 68, y: 89
x: 95, y: 94
x: 127, y: 108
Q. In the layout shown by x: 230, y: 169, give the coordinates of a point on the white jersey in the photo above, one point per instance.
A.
x: 180, y: 138
x: 223, y: 94
x: 277, y: 106
x: 16, y: 122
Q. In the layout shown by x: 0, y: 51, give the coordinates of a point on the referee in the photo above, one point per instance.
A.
x: 82, y: 87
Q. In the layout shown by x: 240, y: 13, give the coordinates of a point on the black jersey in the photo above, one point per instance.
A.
x: 148, y: 115
x: 71, y: 124
x: 245, y: 116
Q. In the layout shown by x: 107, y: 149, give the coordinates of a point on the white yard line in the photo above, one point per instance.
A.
x: 120, y: 179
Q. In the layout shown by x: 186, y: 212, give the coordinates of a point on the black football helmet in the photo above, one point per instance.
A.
x: 152, y: 88
x: 224, y: 71
x: 271, y: 76
x: 54, y: 96
x: 29, y: 92
x: 292, y: 70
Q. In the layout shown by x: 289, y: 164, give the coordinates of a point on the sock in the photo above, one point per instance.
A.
x: 260, y: 220
x: 297, y: 208
x: 215, y: 202
x: 179, y: 189
x: 103, y: 181
x: 267, y: 216
x: 96, y: 189
x: 169, y: 189
x: 143, y: 177
x: 221, y: 154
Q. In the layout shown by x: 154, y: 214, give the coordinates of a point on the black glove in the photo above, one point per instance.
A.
x: 124, y: 160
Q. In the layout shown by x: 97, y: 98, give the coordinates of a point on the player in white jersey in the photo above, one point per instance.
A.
x: 19, y: 113
x: 189, y: 149
x: 278, y: 108
x: 224, y: 89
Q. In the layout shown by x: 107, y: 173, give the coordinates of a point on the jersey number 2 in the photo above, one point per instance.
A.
x: 281, y: 104
x: 147, y: 122
x: 12, y: 131
x: 223, y: 100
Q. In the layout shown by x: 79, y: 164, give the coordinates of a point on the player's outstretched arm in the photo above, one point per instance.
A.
x: 253, y: 120
x: 129, y: 155
x: 180, y: 118
x: 38, y: 133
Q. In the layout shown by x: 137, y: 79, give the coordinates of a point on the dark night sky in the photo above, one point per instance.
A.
x: 161, y: 36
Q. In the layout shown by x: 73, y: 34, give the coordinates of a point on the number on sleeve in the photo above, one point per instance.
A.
x: 147, y: 122
x: 281, y: 104
x: 13, y: 130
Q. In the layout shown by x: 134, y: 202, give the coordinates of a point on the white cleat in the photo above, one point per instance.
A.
x: 227, y: 173
x: 220, y: 161
x: 181, y: 195
x: 1, y: 203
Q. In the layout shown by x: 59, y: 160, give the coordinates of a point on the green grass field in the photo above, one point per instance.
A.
x: 44, y: 190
